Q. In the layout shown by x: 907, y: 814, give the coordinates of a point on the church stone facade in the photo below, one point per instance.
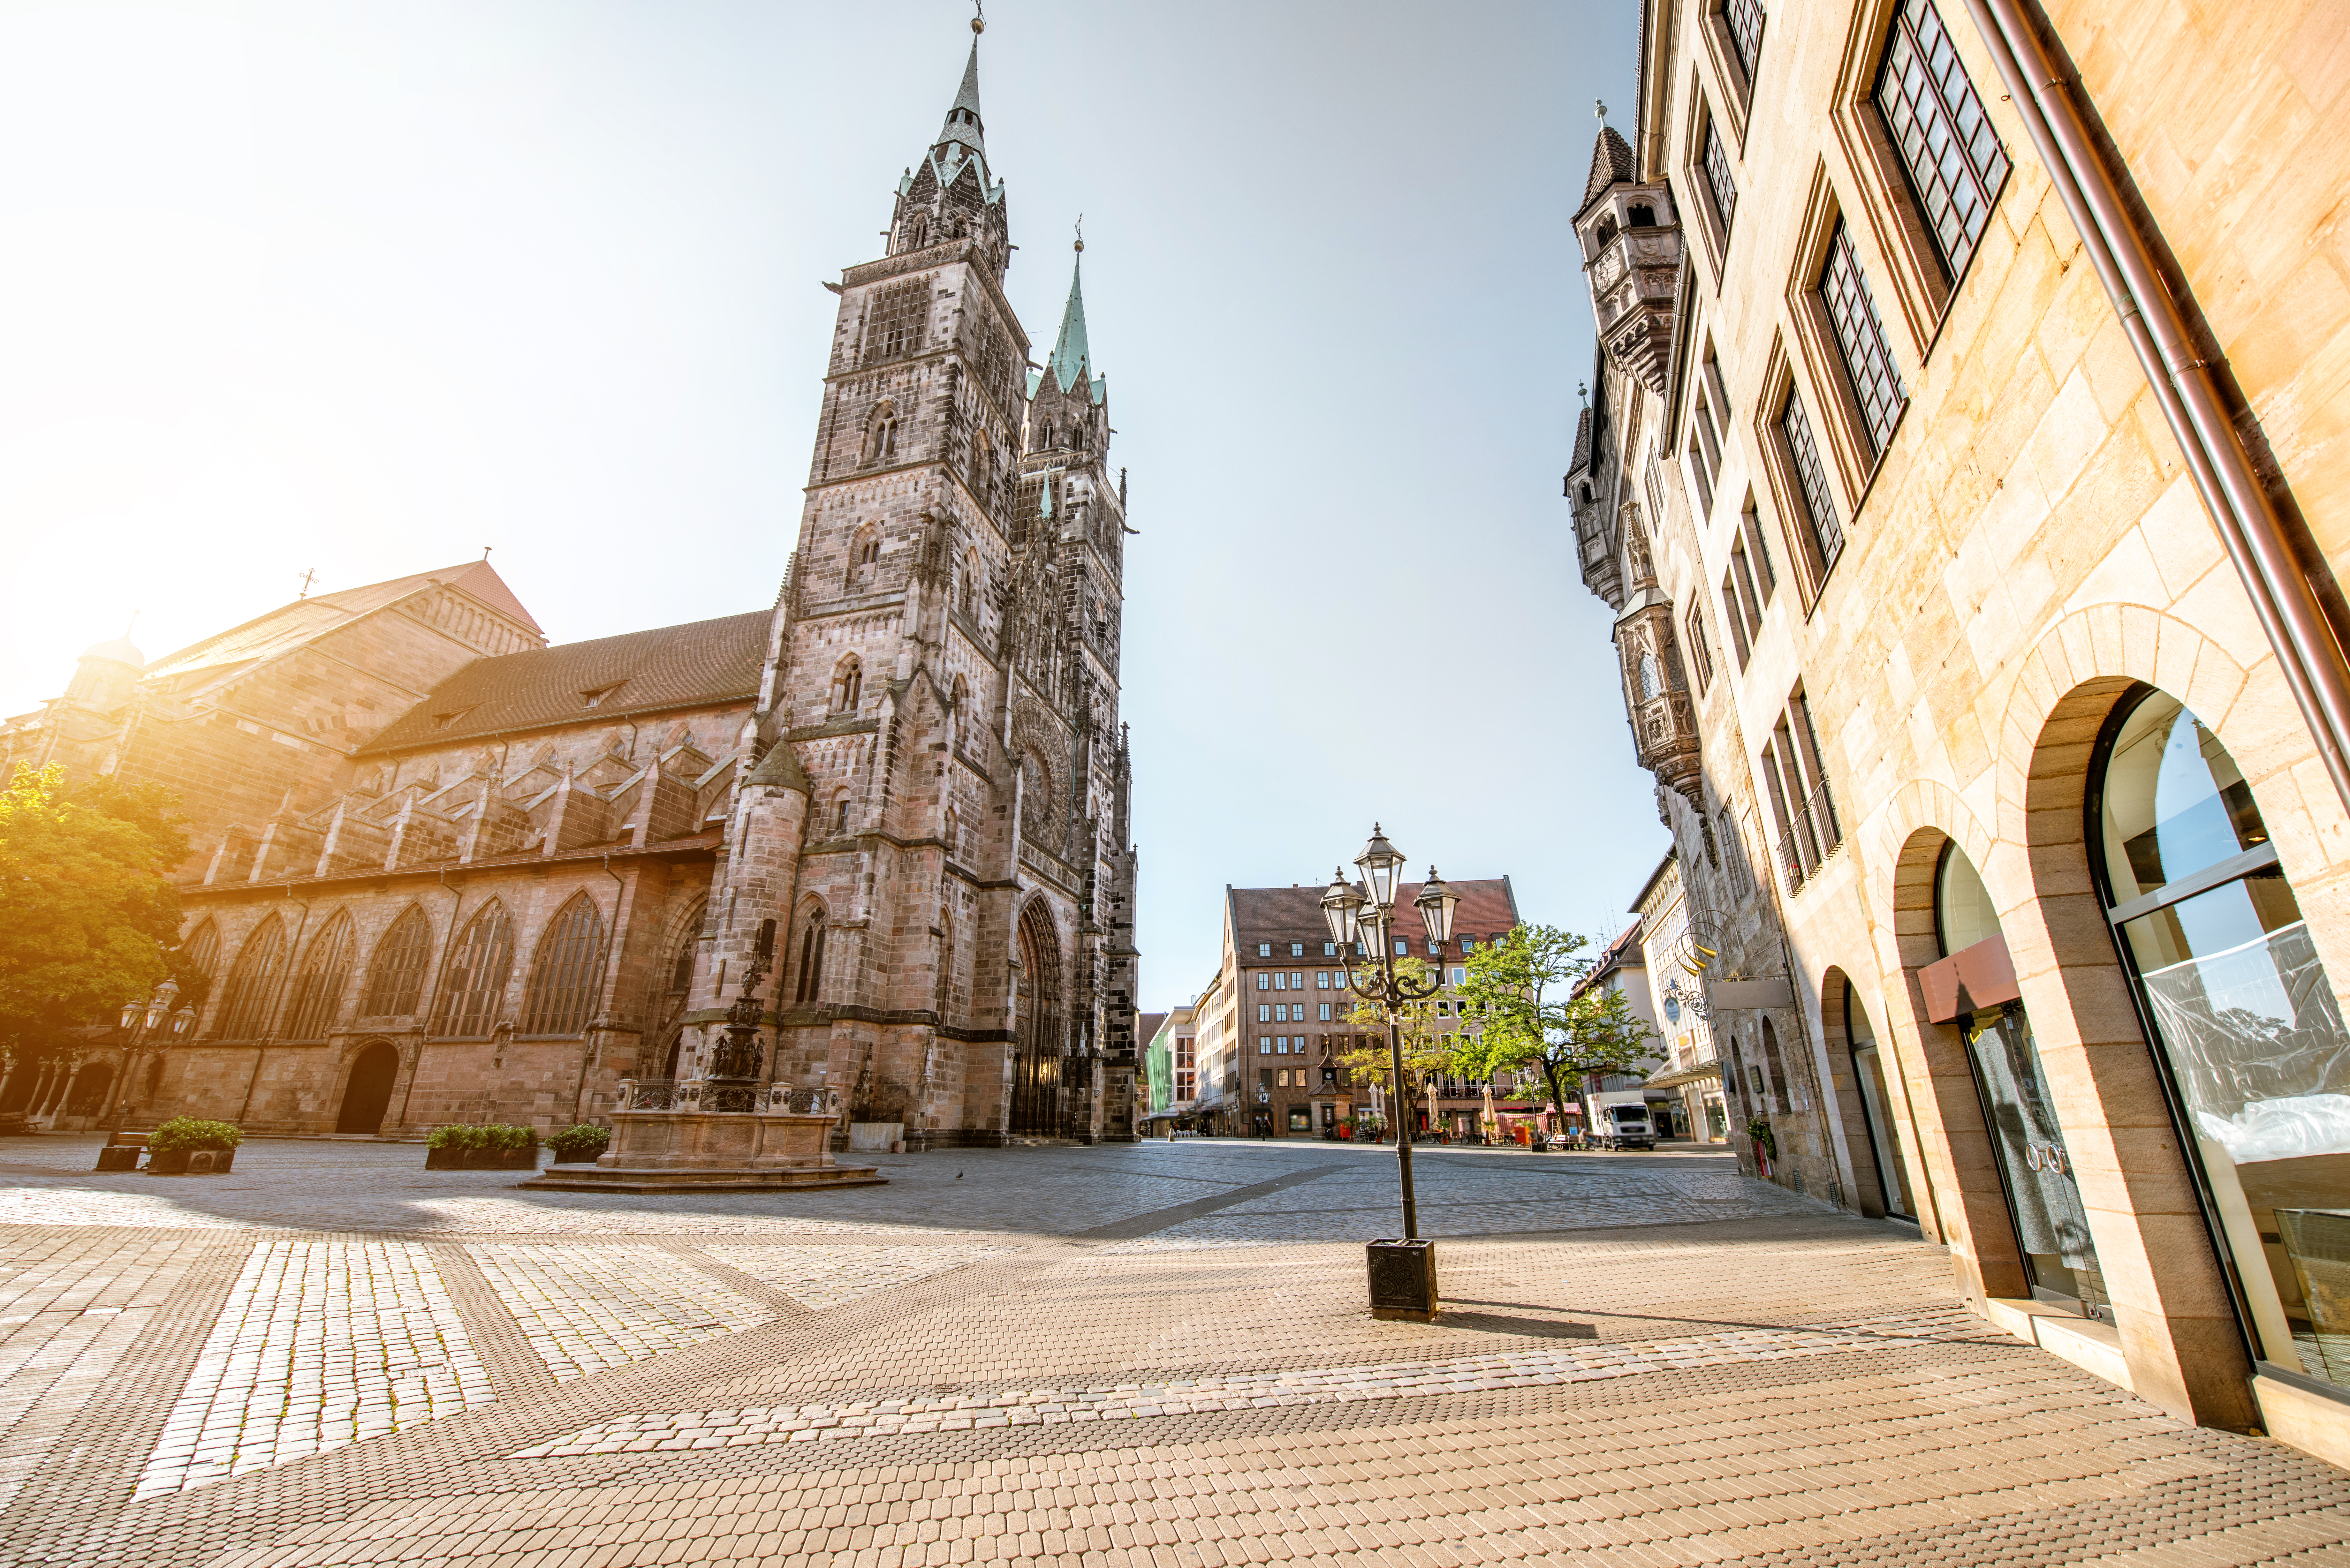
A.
x: 448, y: 873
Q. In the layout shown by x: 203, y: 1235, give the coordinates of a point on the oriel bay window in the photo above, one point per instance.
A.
x: 2244, y: 1019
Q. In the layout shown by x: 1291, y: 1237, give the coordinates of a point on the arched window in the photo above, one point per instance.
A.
x: 840, y: 815
x: 252, y: 984
x: 810, y: 986
x: 847, y: 684
x: 318, y: 989
x: 568, y: 973
x: 945, y: 991
x: 2245, y: 1020
x: 967, y: 585
x: 473, y: 983
x: 199, y: 954
x: 881, y: 435
x: 982, y: 467
x: 2027, y: 1142
x: 396, y: 977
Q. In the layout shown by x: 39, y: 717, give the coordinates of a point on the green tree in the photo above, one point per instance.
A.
x: 86, y: 915
x: 1522, y: 992
x: 1426, y: 1048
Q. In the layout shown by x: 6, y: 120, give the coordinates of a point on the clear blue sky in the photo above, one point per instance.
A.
x: 364, y: 287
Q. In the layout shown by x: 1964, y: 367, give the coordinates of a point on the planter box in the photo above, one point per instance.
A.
x: 481, y: 1158
x: 191, y: 1161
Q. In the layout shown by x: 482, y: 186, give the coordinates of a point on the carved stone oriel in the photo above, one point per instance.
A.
x: 1631, y: 239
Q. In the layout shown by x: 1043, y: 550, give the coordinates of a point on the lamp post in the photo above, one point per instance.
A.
x: 1402, y: 1274
x: 139, y: 1021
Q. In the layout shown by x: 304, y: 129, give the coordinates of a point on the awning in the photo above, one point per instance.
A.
x: 1697, y: 1074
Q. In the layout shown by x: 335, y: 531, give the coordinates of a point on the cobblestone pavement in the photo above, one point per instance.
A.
x: 1154, y: 1353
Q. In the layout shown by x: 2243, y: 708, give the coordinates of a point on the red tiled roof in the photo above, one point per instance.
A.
x: 1283, y: 915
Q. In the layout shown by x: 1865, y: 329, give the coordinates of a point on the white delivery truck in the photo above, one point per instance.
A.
x: 1620, y: 1120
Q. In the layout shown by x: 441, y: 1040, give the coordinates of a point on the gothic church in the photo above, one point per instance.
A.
x: 448, y: 873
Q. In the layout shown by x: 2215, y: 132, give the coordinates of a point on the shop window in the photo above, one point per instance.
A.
x: 2035, y: 1171
x: 2247, y: 1025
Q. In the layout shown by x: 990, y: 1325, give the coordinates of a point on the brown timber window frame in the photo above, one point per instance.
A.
x: 1931, y: 163
x: 1734, y: 31
x: 1804, y: 481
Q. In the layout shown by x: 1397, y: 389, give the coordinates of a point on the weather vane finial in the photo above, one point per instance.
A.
x: 978, y: 17
x: 1600, y: 108
x: 1081, y: 233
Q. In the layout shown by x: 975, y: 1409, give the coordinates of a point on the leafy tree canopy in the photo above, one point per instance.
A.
x: 1426, y: 1049
x: 1521, y: 989
x: 86, y: 915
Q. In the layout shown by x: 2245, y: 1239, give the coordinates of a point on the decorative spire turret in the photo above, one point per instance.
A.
x: 951, y: 194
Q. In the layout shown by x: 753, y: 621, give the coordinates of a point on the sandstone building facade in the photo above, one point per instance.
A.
x: 448, y: 873
x: 1966, y: 469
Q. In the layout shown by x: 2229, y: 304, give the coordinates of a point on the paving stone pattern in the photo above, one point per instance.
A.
x: 1117, y: 1355
x: 320, y: 1344
x: 586, y: 1309
x: 820, y: 1277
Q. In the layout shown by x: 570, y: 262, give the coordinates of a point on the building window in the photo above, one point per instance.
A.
x: 2242, y: 1011
x: 898, y: 321
x: 1325, y: 1012
x: 1745, y: 18
x: 1719, y: 184
x: 396, y: 977
x: 1700, y: 655
x: 811, y: 984
x: 1264, y: 980
x: 1798, y: 787
x: 1750, y: 529
x: 473, y: 986
x: 569, y: 971
x: 1297, y: 949
x: 1297, y: 980
x: 1265, y: 950
x: 1860, y: 340
x: 1811, y: 482
x: 1264, y: 1044
x: 1329, y: 950
x: 1264, y: 1012
x: 1321, y: 979
x: 1280, y: 979
x: 319, y: 991
x: 1950, y: 153
x: 253, y: 983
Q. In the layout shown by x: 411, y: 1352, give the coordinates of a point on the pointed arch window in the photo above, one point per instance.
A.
x: 201, y: 952
x: 396, y: 977
x: 319, y: 988
x: 474, y: 983
x: 810, y: 986
x: 253, y: 985
x: 847, y: 685
x: 569, y: 973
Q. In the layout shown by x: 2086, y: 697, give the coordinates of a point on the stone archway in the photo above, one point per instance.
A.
x: 366, y: 1091
x: 1036, y: 1059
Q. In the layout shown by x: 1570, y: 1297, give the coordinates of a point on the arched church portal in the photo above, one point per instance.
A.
x: 366, y: 1093
x: 1036, y: 1068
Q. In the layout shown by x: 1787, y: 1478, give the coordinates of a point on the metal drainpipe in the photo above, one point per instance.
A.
x: 2308, y: 654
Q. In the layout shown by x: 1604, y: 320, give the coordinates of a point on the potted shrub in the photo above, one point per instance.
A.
x: 464, y: 1146
x: 578, y: 1144
x: 172, y: 1147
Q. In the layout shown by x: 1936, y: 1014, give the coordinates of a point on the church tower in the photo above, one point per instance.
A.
x: 932, y: 805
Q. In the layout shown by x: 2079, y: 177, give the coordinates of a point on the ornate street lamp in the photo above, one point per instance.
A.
x: 139, y: 1021
x: 1402, y: 1272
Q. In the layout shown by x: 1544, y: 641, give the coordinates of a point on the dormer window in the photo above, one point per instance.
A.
x: 596, y: 697
x: 449, y: 720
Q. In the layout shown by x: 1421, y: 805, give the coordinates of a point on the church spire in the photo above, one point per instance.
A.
x: 963, y: 124
x: 1071, y: 360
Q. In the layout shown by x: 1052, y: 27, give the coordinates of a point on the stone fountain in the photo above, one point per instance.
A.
x: 723, y: 1132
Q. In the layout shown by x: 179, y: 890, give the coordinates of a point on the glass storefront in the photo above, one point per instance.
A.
x: 2248, y: 1024
x: 2051, y: 1225
x: 1877, y: 1110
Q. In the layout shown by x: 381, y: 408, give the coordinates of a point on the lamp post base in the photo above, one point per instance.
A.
x: 1403, y: 1279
